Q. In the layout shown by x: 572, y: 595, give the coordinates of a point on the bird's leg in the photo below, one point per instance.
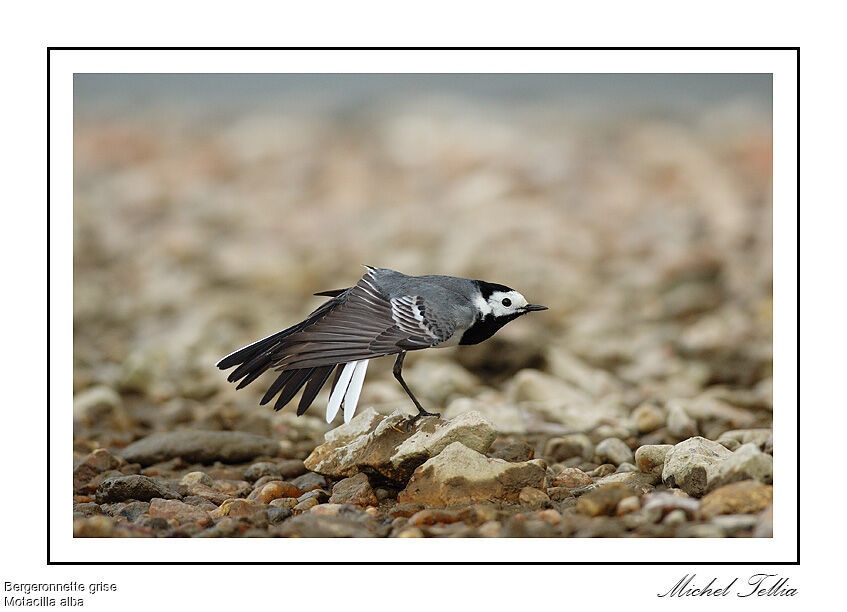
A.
x: 398, y: 374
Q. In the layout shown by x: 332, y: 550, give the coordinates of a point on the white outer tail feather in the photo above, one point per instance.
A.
x: 351, y: 399
x: 340, y: 391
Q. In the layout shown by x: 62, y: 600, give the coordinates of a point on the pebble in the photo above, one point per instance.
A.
x: 263, y: 468
x: 410, y: 532
x: 275, y: 490
x: 558, y: 494
x: 354, y: 490
x: 745, y: 497
x: 628, y: 505
x: 573, y: 445
x: 278, y: 515
x: 534, y: 498
x: 680, y: 424
x: 602, y: 470
x: 675, y: 518
x: 490, y: 529
x: 650, y: 459
x: 94, y: 527
x: 613, y: 450
x: 571, y: 478
x: 329, y: 509
x: 305, y: 505
x: 284, y: 502
x: 133, y: 510
x: 309, y: 482
x: 514, y: 452
x: 603, y: 500
x: 648, y: 418
x: 193, y: 478
x: 181, y: 512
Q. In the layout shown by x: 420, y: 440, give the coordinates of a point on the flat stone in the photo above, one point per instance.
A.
x: 135, y: 486
x: 199, y: 446
x: 461, y: 475
x: 687, y: 463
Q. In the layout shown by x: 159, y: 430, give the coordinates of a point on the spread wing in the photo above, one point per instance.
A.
x: 360, y: 323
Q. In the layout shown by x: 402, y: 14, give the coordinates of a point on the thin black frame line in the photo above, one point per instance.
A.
x: 798, y: 301
x: 48, y: 307
x: 796, y: 49
x: 423, y: 48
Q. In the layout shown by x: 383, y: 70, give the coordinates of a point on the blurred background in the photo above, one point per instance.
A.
x: 209, y: 208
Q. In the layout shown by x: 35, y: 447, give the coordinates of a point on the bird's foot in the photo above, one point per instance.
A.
x: 408, y: 425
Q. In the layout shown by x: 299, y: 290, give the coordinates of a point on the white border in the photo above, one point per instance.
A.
x: 781, y: 63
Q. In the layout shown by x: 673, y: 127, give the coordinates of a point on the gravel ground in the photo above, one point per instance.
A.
x: 640, y: 404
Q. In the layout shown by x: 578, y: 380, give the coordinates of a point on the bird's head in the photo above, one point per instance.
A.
x: 502, y: 302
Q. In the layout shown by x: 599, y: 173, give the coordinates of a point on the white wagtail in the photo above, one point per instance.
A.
x: 385, y: 313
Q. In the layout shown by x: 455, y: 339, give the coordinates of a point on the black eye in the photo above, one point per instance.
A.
x: 506, y: 302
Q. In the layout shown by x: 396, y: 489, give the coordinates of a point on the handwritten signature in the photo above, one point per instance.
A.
x: 760, y: 585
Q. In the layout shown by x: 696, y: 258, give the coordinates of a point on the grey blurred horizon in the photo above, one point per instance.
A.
x: 225, y: 93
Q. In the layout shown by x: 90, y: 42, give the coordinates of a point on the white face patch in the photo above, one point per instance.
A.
x: 504, y: 303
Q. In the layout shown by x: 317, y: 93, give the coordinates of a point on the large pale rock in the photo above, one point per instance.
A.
x: 687, y: 464
x: 471, y: 429
x: 374, y: 444
x: 460, y: 475
x: 746, y: 463
x: 199, y: 446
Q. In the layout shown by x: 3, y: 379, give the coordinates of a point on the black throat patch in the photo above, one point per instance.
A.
x: 486, y: 327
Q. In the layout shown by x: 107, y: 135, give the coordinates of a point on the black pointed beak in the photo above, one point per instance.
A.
x: 531, y: 307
